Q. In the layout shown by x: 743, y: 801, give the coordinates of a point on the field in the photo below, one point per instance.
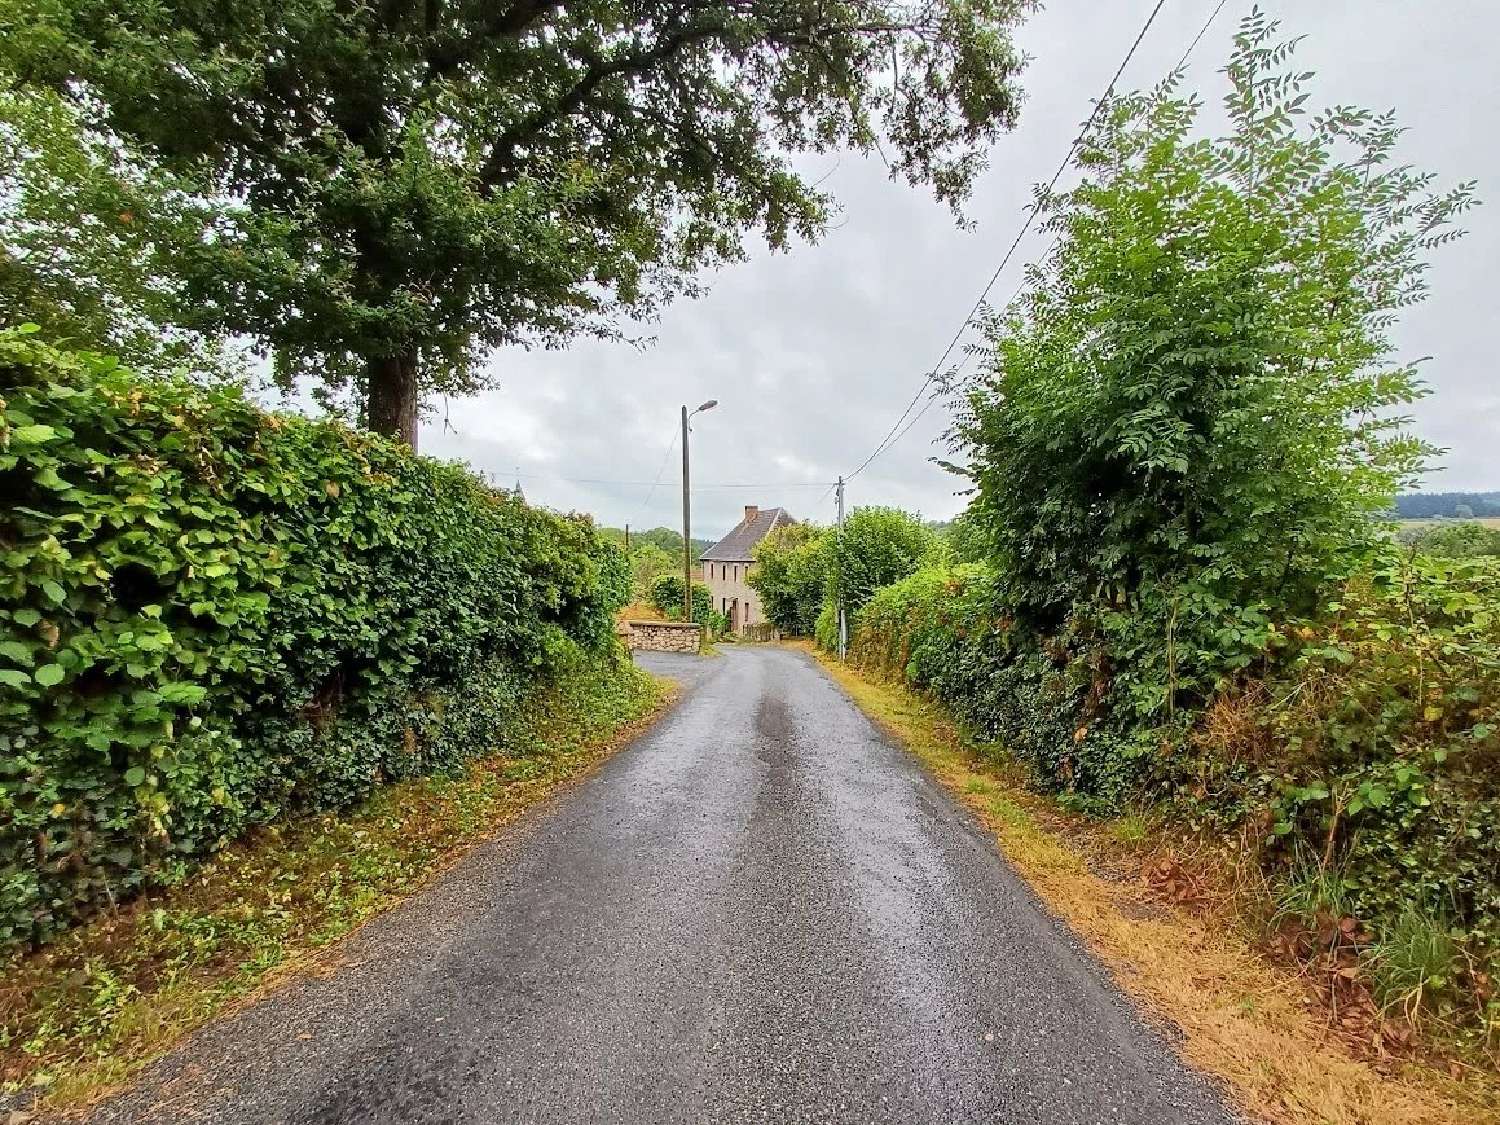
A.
x: 1487, y: 521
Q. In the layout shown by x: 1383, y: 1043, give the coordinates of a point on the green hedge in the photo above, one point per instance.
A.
x: 1375, y: 726
x: 210, y: 615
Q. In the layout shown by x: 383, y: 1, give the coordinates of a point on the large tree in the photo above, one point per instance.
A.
x: 405, y: 184
x: 86, y: 238
x: 1198, y: 408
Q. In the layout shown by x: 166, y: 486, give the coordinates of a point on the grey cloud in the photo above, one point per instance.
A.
x: 812, y: 353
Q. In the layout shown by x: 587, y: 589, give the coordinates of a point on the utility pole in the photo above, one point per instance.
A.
x: 627, y: 540
x: 687, y: 515
x: 843, y: 623
x: 687, y: 527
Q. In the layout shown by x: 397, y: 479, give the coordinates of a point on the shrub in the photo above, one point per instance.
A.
x: 875, y: 547
x: 666, y: 596
x: 648, y: 562
x: 790, y: 575
x: 210, y: 615
x: 1362, y: 764
x: 1189, y: 421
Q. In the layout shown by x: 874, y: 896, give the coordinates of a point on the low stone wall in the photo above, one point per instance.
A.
x: 664, y: 636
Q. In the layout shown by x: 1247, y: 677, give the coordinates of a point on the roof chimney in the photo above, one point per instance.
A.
x: 751, y: 511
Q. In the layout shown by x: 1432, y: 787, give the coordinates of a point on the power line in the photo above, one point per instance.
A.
x: 1182, y: 62
x: 696, y: 487
x: 1031, y: 214
x: 660, y: 469
x: 1202, y: 31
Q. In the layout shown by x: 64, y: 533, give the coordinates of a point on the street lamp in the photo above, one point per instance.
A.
x: 687, y: 520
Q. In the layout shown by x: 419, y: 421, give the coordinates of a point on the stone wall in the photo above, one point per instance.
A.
x: 665, y: 636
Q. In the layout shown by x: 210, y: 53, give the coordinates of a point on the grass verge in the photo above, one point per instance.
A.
x: 94, y: 1007
x: 1240, y: 1016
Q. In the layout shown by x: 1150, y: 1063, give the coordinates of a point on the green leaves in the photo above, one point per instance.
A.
x: 192, y: 639
x: 16, y: 652
x: 516, y: 180
x: 31, y: 435
x: 50, y: 675
x: 791, y: 575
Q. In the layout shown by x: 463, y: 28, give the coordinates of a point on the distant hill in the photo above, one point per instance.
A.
x: 663, y: 537
x: 1447, y: 505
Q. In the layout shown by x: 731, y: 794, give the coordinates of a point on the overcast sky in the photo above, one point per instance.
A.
x: 813, y: 353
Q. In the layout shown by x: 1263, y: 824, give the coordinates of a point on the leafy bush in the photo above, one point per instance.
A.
x: 875, y: 547
x: 1189, y: 422
x: 210, y: 614
x: 649, y: 562
x: 1364, y: 752
x: 666, y: 596
x: 1179, y: 447
x: 1379, y: 740
x: 790, y: 575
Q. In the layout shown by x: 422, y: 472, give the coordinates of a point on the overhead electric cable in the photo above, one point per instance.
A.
x: 1182, y: 62
x: 1031, y: 214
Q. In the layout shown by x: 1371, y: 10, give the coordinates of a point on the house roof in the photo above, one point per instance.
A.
x: 736, y: 546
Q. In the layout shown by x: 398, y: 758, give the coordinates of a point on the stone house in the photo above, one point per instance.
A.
x: 727, y: 564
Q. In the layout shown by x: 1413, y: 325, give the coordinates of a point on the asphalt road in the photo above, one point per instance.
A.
x: 761, y: 911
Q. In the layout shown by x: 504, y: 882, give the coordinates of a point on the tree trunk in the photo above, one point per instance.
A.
x: 391, y: 406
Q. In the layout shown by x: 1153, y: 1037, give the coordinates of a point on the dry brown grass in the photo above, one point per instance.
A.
x: 639, y: 611
x: 1250, y: 1022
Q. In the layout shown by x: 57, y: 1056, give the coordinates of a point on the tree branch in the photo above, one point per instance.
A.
x: 598, y: 71
x: 506, y: 23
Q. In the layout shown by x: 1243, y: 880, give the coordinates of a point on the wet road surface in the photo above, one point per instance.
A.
x: 761, y: 911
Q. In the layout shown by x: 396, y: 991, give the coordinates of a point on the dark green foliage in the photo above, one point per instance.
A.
x: 1181, y: 444
x: 947, y: 631
x: 1374, y: 741
x: 1187, y: 426
x: 790, y: 575
x: 211, y: 614
x: 666, y: 596
x: 1195, y: 405
x: 875, y: 547
x: 408, y: 184
x: 1384, y: 738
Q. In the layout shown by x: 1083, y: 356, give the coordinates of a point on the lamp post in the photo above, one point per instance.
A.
x: 687, y: 515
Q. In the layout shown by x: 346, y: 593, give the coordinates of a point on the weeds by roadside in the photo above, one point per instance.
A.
x: 1176, y: 935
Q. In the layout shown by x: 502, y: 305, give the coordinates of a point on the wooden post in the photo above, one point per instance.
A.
x: 687, y: 528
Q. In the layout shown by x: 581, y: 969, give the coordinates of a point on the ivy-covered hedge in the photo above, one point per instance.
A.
x: 211, y: 614
x: 1366, y: 738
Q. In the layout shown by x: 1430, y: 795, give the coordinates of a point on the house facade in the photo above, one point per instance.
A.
x: 726, y: 566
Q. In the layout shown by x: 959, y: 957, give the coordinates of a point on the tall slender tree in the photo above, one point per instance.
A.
x: 404, y: 184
